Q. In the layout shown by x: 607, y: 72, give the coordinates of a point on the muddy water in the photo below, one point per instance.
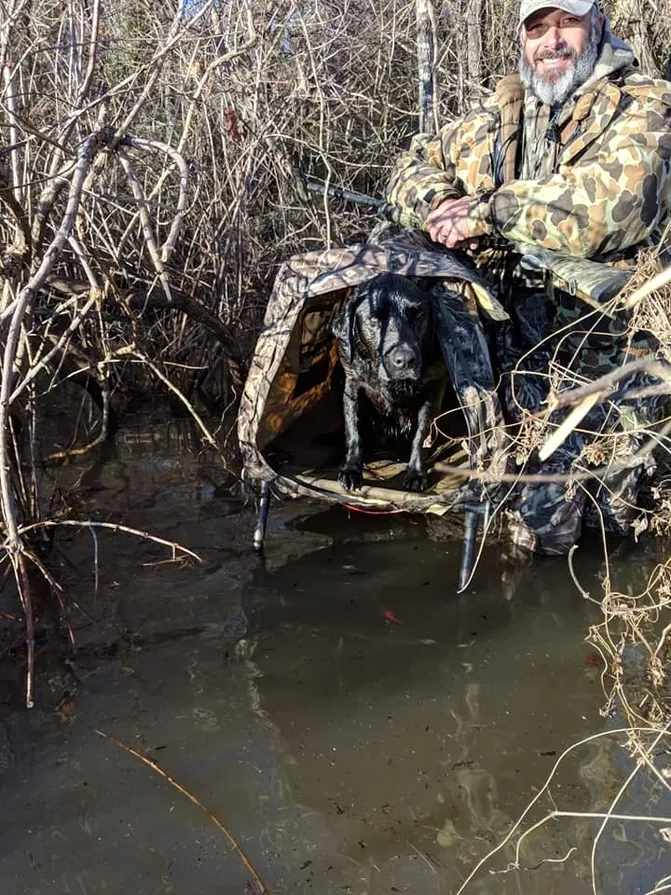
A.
x: 357, y: 725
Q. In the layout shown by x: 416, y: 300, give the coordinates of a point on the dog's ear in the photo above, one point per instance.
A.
x: 344, y: 326
x: 431, y: 297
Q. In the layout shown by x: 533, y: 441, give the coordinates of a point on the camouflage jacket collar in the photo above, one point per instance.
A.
x: 550, y: 137
x: 615, y: 56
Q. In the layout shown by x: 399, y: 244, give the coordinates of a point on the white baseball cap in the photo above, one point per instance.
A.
x: 577, y: 7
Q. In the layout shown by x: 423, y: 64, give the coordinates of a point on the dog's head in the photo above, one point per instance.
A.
x: 386, y: 324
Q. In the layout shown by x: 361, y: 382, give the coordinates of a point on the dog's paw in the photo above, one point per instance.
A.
x: 350, y: 477
x: 415, y: 480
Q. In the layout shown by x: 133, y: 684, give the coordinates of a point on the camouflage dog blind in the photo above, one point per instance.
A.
x: 291, y: 402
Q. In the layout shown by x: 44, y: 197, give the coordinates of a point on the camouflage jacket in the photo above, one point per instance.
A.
x: 593, y: 180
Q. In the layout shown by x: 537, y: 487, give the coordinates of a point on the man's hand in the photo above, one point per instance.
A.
x: 449, y: 224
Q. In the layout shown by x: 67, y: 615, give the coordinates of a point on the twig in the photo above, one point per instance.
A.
x: 40, y: 364
x: 575, y: 476
x: 597, y: 736
x: 178, y: 786
x: 229, y: 56
x: 83, y: 91
x: 609, y: 815
x: 192, y: 410
x: 575, y: 417
x: 175, y: 228
x: 111, y: 526
x: 149, y: 238
x: 662, y: 279
x: 13, y: 543
x: 25, y: 592
x: 580, y: 588
x: 605, y: 383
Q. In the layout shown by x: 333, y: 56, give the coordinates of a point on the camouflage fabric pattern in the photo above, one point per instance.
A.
x: 548, y: 518
x: 604, y: 188
x: 295, y: 355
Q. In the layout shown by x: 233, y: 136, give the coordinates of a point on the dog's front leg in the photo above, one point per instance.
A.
x: 350, y: 475
x: 415, y: 476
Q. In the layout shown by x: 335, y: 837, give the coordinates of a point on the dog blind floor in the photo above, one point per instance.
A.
x: 313, y: 448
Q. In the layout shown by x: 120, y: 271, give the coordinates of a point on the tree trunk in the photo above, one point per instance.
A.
x: 474, y: 42
x: 426, y: 64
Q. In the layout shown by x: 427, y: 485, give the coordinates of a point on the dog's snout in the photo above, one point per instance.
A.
x: 402, y: 359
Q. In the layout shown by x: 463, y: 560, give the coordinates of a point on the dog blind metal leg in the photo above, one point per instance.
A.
x: 472, y: 514
x: 262, y: 518
x: 468, y: 547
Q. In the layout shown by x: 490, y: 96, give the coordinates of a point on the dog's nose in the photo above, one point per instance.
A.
x: 402, y: 358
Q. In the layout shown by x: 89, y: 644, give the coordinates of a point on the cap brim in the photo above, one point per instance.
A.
x: 577, y: 7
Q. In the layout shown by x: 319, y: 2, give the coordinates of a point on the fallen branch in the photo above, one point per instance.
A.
x: 110, y: 526
x: 178, y: 786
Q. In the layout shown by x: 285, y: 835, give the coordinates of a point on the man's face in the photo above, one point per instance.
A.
x: 559, y: 51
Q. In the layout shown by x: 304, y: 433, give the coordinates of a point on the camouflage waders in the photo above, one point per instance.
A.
x: 547, y: 518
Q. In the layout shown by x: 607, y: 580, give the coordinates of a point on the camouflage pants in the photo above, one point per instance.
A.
x: 548, y: 517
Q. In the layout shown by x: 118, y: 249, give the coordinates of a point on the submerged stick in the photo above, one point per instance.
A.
x: 178, y: 786
x: 25, y: 594
x: 112, y: 526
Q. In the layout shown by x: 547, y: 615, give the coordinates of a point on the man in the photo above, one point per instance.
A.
x: 573, y: 154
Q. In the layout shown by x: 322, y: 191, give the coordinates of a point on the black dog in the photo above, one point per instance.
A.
x: 390, y: 355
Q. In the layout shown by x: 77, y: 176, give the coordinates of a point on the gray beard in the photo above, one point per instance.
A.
x: 555, y: 92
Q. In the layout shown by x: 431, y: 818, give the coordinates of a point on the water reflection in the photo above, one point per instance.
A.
x: 417, y: 720
x: 358, y: 725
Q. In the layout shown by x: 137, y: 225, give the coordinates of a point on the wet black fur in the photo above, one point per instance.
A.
x: 389, y: 317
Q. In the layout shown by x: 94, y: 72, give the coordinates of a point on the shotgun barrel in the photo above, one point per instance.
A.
x: 384, y: 209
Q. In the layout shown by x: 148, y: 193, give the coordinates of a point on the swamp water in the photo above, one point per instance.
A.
x: 357, y: 725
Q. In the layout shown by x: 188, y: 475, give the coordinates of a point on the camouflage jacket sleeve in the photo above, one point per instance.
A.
x: 611, y: 191
x: 424, y: 176
x: 613, y: 197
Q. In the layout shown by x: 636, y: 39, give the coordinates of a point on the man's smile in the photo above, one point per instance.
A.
x: 554, y: 63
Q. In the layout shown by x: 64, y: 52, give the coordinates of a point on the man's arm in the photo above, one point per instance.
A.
x: 612, y: 199
x: 425, y: 176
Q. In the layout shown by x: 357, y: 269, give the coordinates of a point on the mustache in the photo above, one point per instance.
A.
x: 564, y: 53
